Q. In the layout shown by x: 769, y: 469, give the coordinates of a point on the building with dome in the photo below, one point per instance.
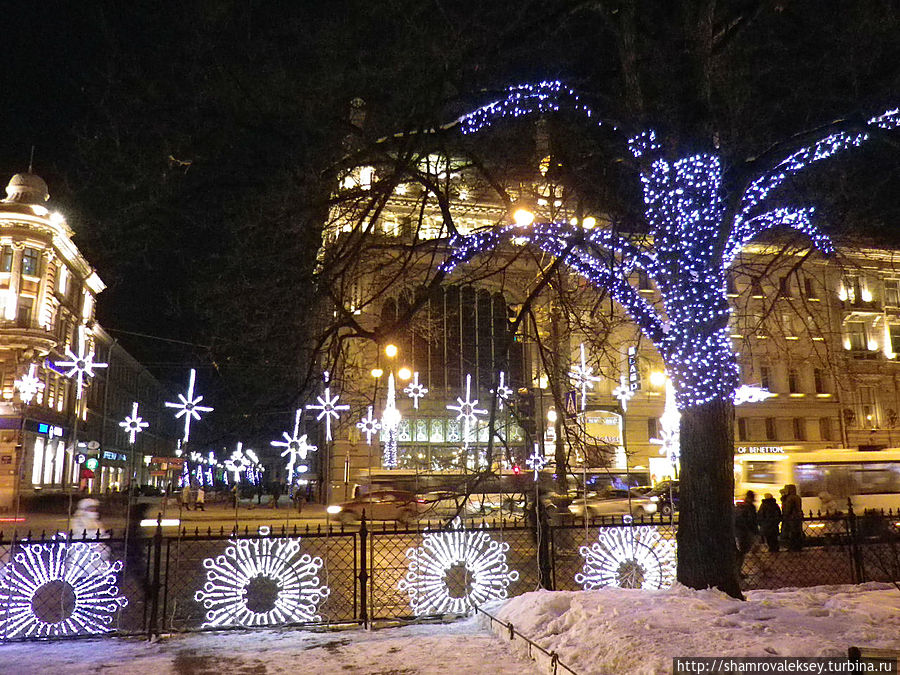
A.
x: 48, y: 294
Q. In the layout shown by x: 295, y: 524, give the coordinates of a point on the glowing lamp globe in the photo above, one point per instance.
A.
x: 523, y: 217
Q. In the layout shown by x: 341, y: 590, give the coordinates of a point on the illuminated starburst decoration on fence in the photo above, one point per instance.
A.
x: 503, y: 391
x: 583, y: 378
x: 261, y: 582
x: 453, y: 571
x: 369, y: 425
x: 133, y: 424
x: 467, y: 409
x: 29, y: 385
x: 295, y: 445
x: 59, y: 589
x: 628, y: 557
x: 415, y: 390
x: 328, y: 408
x: 188, y: 407
x: 81, y: 364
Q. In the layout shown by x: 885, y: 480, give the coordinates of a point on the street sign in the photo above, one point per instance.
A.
x: 634, y: 374
x: 80, y: 458
x: 91, y: 464
x: 570, y: 403
x: 93, y: 445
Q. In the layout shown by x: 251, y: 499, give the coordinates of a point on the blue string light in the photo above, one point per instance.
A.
x: 685, y: 209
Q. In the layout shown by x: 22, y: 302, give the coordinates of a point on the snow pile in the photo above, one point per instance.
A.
x: 619, y: 631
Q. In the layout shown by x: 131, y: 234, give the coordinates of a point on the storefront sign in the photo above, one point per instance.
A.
x: 760, y: 450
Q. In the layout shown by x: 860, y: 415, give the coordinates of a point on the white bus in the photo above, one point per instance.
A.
x: 871, y: 480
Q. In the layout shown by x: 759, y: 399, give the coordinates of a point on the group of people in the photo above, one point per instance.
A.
x: 772, y: 522
x: 199, y: 501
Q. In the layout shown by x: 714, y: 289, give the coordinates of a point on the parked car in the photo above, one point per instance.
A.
x: 611, y: 502
x: 403, y: 507
x: 665, y: 496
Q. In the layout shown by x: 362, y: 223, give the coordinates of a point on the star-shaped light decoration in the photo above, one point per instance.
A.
x: 29, y: 385
x: 503, y: 392
x: 133, y: 424
x: 369, y: 425
x: 240, y: 462
x: 295, y: 445
x: 80, y: 365
x: 187, y: 406
x: 623, y: 392
x: 390, y: 422
x: 328, y: 408
x: 583, y: 378
x: 466, y: 410
x: 536, y: 462
x: 415, y: 390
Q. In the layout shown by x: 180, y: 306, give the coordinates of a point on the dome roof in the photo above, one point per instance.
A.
x: 27, y: 188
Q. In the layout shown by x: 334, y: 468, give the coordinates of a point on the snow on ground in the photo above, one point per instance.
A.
x: 616, y: 631
x: 462, y: 648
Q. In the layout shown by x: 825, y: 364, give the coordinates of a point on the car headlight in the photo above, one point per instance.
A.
x: 334, y: 508
x: 654, y: 499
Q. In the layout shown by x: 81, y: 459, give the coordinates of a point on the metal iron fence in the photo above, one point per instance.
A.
x: 76, y: 586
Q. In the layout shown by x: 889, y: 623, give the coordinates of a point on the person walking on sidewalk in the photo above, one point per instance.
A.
x: 200, y: 501
x: 745, y: 527
x: 186, y: 497
x: 276, y: 494
x: 769, y: 517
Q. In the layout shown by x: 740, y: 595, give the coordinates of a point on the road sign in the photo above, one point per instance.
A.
x: 91, y: 464
x: 570, y: 403
x: 93, y: 445
x: 80, y: 458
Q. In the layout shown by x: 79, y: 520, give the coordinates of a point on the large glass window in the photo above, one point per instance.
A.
x: 31, y: 259
x: 892, y: 293
x: 856, y: 334
x: 759, y: 472
x: 825, y: 428
x: 38, y: 460
x: 771, y: 433
x: 793, y: 381
x: 6, y: 258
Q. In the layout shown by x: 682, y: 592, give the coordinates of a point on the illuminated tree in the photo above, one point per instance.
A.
x: 697, y: 224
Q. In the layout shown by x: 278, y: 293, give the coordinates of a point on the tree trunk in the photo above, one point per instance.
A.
x: 706, y: 547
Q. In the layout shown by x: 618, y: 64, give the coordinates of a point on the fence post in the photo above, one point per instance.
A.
x: 543, y: 534
x: 855, y: 553
x: 153, y: 627
x: 363, y: 573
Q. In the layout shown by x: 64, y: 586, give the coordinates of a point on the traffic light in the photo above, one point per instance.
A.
x: 524, y: 410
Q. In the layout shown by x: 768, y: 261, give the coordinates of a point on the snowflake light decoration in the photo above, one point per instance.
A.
x: 81, y: 364
x: 295, y: 446
x: 536, y: 462
x: 415, y: 390
x: 187, y: 406
x: 328, y: 408
x: 466, y: 409
x: 470, y: 560
x: 628, y: 557
x: 59, y: 589
x: 503, y: 392
x: 670, y: 427
x: 583, y: 378
x: 241, y: 461
x: 369, y: 425
x: 29, y: 385
x: 261, y: 582
x: 133, y: 424
x: 623, y: 392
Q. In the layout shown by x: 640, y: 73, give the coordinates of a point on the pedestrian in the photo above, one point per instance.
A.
x: 186, y: 497
x: 234, y: 495
x: 259, y: 492
x: 769, y: 518
x: 200, y: 501
x: 276, y: 494
x: 745, y: 527
x: 791, y: 517
x: 86, y: 521
x: 298, y: 499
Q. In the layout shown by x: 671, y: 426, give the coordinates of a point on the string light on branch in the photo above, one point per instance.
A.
x: 29, y: 385
x: 81, y: 364
x: 328, y: 408
x: 369, y: 425
x: 261, y: 582
x: 415, y: 390
x: 469, y: 559
x: 133, y: 424
x: 188, y: 406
